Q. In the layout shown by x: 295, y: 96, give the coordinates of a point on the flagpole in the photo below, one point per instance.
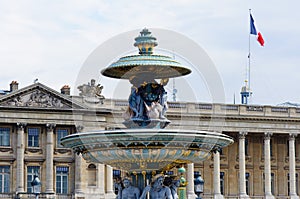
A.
x: 249, y: 58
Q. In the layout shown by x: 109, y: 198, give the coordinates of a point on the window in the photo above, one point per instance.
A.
x: 33, y: 137
x: 246, y: 146
x: 4, y: 136
x: 31, y: 171
x: 247, y: 183
x: 92, y: 175
x: 271, y: 148
x: 222, y: 182
x: 273, y: 183
x: 60, y: 133
x: 62, y: 174
x: 287, y: 148
x: 4, y: 179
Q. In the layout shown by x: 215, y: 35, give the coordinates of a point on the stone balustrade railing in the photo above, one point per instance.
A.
x: 222, y: 109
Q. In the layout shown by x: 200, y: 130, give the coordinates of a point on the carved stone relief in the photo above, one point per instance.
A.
x: 35, y: 99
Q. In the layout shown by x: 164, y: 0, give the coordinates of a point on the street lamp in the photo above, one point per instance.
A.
x: 198, y: 185
x: 36, y: 185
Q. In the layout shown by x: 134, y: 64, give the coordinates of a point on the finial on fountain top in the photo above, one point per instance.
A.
x: 145, y: 42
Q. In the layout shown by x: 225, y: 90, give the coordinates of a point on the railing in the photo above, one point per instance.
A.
x: 255, y: 108
x: 176, y: 105
x: 24, y: 195
x: 227, y: 109
x: 279, y: 109
x: 204, y: 106
x: 7, y: 195
x: 63, y: 196
x: 230, y: 107
x: 121, y: 103
x: 238, y: 197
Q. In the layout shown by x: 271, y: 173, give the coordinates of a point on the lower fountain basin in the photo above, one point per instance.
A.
x: 138, y: 150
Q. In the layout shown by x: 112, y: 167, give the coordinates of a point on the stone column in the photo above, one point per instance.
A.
x: 78, y: 167
x: 293, y: 194
x: 78, y: 174
x: 109, y: 182
x: 101, y: 178
x: 20, y: 157
x: 217, y: 188
x: 190, y: 179
x: 49, y: 158
x: 267, y: 155
x: 242, y: 166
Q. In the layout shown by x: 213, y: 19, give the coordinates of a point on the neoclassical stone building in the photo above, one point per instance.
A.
x: 263, y: 162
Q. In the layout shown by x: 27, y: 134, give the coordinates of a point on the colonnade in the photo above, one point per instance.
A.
x: 107, y: 178
x: 242, y: 168
x: 104, y: 172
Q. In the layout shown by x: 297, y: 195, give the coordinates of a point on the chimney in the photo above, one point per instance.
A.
x: 14, y: 86
x: 65, y: 90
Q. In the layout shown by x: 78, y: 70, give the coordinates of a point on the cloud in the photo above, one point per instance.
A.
x: 51, y: 40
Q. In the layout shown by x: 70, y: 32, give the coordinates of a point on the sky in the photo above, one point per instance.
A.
x: 51, y: 41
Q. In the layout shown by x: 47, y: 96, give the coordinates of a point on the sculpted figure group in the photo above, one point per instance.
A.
x: 156, y: 190
x: 148, y: 99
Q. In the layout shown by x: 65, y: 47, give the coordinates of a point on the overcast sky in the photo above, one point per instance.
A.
x: 50, y: 40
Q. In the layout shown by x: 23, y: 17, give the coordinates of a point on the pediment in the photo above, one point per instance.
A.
x: 39, y: 96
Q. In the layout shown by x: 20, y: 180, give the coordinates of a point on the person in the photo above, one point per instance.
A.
x: 174, y: 186
x: 173, y: 182
x: 129, y: 191
x: 156, y: 189
x: 135, y: 101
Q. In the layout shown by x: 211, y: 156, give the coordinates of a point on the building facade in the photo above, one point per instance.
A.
x: 263, y: 162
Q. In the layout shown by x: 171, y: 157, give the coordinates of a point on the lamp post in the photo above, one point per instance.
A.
x: 36, y: 185
x: 198, y: 185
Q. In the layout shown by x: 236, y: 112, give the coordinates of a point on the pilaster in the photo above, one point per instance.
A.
x: 267, y: 157
x: 78, y: 169
x: 242, y: 165
x: 49, y: 158
x: 20, y: 157
x: 292, y: 165
x: 190, y: 179
x: 109, y: 182
x: 217, y: 189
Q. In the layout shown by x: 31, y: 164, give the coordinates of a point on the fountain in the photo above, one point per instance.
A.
x: 146, y: 147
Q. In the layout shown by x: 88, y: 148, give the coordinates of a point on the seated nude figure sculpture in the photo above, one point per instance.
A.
x: 129, y: 191
x: 156, y: 189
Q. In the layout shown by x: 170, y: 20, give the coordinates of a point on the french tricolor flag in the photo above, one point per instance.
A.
x: 253, y: 31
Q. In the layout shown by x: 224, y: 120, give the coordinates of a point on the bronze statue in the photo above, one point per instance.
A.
x: 129, y: 191
x: 157, y: 190
x: 147, y: 100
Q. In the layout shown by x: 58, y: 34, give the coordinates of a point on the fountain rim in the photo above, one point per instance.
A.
x: 151, y: 131
x: 142, y: 134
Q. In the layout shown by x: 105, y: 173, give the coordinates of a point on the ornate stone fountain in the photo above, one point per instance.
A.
x: 145, y: 145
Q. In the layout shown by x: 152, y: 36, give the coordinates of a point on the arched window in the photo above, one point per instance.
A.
x: 92, y: 175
